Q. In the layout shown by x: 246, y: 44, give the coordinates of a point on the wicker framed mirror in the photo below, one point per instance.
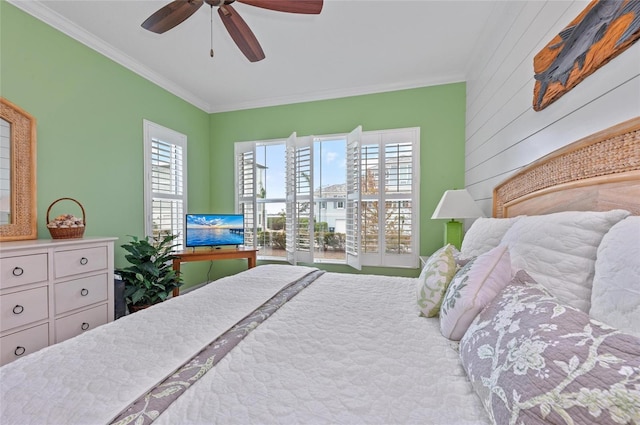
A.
x: 18, y: 213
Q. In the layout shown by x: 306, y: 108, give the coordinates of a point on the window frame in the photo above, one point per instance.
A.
x: 248, y: 150
x: 355, y: 257
x: 381, y: 138
x: 152, y: 132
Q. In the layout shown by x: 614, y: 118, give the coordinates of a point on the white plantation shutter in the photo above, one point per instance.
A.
x: 304, y: 200
x: 370, y: 198
x: 245, y: 183
x: 381, y: 204
x: 353, y: 239
x: 398, y: 187
x: 165, y: 181
x: 299, y: 199
x: 290, y: 181
x: 389, y: 198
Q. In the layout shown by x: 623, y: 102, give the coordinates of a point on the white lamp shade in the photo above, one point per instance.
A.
x: 457, y: 204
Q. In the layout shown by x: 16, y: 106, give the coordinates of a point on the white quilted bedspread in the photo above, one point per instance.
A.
x: 57, y: 386
x: 349, y: 349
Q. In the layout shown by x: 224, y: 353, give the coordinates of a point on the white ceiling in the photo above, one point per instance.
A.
x: 353, y: 47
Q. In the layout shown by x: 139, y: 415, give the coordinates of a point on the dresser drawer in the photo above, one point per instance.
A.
x: 81, y: 292
x: 77, y: 323
x: 25, y: 342
x: 24, y: 307
x: 20, y: 270
x: 75, y: 261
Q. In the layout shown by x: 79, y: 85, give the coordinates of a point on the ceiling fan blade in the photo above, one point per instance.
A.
x: 241, y: 33
x: 311, y: 7
x: 171, y: 15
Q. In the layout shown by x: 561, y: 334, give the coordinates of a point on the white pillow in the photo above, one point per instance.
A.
x: 559, y: 251
x: 615, y: 298
x: 473, y: 287
x: 485, y: 234
x: 434, y: 279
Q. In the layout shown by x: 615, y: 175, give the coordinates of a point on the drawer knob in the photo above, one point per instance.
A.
x: 85, y: 326
x: 19, y: 351
x: 18, y: 309
x: 84, y: 292
x: 84, y: 261
x: 18, y: 271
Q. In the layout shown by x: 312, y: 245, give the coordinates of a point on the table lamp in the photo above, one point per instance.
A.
x: 456, y: 204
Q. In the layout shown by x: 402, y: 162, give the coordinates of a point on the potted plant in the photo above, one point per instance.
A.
x: 150, y: 278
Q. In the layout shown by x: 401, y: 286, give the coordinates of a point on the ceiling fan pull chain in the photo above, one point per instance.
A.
x: 177, y: 11
x: 211, y: 31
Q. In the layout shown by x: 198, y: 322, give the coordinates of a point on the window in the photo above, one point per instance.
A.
x: 329, y: 177
x: 343, y: 198
x: 390, y: 184
x: 261, y: 195
x: 165, y: 182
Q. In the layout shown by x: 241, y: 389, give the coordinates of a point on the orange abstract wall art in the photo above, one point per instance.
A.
x: 603, y: 30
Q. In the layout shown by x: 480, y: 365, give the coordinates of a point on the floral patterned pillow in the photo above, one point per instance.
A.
x: 533, y: 360
x: 472, y: 288
x: 434, y: 279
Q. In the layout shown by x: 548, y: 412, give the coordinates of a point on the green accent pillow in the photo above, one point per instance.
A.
x: 434, y: 279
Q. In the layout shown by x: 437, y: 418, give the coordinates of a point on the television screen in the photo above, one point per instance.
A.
x: 214, y: 229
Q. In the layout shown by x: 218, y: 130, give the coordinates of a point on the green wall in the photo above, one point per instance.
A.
x: 89, y: 113
x: 439, y: 111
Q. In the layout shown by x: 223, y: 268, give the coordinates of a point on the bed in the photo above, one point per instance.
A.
x: 321, y: 347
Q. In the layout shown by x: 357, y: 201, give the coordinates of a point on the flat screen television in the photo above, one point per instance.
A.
x: 214, y: 230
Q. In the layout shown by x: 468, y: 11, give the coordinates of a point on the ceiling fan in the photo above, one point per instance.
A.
x: 178, y: 11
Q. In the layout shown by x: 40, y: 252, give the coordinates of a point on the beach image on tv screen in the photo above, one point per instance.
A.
x: 214, y: 229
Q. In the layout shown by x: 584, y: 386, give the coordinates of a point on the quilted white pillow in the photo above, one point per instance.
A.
x: 559, y: 251
x: 473, y: 287
x: 615, y: 298
x: 434, y: 279
x: 485, y: 234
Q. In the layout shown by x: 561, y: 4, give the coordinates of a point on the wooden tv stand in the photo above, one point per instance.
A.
x: 212, y: 254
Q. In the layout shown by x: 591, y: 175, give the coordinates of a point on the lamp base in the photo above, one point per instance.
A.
x: 453, y: 233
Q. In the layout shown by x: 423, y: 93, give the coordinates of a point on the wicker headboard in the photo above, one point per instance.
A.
x: 598, y: 173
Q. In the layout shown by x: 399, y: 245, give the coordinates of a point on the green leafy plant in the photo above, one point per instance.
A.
x: 150, y: 278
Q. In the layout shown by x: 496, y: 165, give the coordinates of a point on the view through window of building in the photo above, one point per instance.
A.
x: 329, y: 195
x: 388, y: 180
x: 329, y: 178
x: 271, y: 194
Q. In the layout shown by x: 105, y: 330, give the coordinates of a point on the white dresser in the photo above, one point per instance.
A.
x: 52, y: 290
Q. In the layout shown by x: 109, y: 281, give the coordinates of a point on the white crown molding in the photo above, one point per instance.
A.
x: 337, y: 94
x: 40, y: 11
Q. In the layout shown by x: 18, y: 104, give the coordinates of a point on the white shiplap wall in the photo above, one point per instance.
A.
x: 503, y: 132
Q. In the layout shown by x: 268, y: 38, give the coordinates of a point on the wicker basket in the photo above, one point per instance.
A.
x: 67, y: 232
